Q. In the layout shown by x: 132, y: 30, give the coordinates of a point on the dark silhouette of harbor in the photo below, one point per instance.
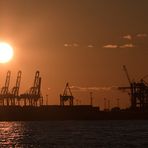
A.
x: 84, y: 112
x: 29, y: 105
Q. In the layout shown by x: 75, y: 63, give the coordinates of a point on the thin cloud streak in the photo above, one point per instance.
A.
x: 129, y: 37
x: 86, y: 89
x: 127, y: 46
x: 110, y: 46
x: 71, y: 45
x: 142, y: 35
x: 75, y: 45
x: 90, y: 46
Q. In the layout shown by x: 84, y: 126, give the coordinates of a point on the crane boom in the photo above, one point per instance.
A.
x: 67, y: 88
x: 67, y: 96
x: 5, y: 88
x: 7, y: 82
x: 127, y: 75
x: 15, y: 89
x: 36, y: 85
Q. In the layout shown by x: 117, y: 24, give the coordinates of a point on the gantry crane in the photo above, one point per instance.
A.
x: 34, y: 92
x: 14, y: 95
x: 67, y: 96
x: 138, y: 92
x: 33, y: 97
x: 4, y: 95
x: 127, y: 74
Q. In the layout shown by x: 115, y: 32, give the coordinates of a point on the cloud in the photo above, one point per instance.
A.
x: 71, y: 45
x: 127, y: 46
x: 129, y: 37
x: 90, y: 46
x: 67, y: 45
x: 113, y: 46
x: 110, y: 46
x: 86, y: 89
x: 75, y: 45
x: 141, y: 35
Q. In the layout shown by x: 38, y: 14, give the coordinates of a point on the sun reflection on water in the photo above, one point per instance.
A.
x: 74, y: 134
x: 10, y: 133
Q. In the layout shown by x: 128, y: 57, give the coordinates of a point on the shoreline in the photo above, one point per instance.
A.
x: 55, y: 112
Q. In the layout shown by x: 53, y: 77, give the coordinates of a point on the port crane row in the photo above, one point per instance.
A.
x: 12, y: 97
x: 32, y: 97
x: 137, y: 90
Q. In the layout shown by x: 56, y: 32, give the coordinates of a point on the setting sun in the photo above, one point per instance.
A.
x: 6, y: 52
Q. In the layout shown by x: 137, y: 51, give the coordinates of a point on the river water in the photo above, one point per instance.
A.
x: 74, y: 134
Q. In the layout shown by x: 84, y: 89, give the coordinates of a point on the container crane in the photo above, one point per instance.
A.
x: 138, y: 92
x: 34, y: 94
x: 5, y: 90
x: 67, y: 96
x: 127, y: 74
x: 14, y: 95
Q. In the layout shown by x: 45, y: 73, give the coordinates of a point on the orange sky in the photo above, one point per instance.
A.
x: 81, y: 42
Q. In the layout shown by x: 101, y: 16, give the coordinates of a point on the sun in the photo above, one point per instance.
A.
x: 6, y: 52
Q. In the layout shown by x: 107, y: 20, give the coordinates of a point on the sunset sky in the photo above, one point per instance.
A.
x: 83, y: 42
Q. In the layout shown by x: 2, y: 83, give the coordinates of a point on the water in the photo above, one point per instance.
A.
x: 74, y: 134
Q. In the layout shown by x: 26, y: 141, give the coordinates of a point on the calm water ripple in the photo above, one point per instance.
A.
x: 74, y: 134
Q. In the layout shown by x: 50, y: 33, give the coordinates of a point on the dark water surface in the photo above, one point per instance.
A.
x: 74, y: 134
